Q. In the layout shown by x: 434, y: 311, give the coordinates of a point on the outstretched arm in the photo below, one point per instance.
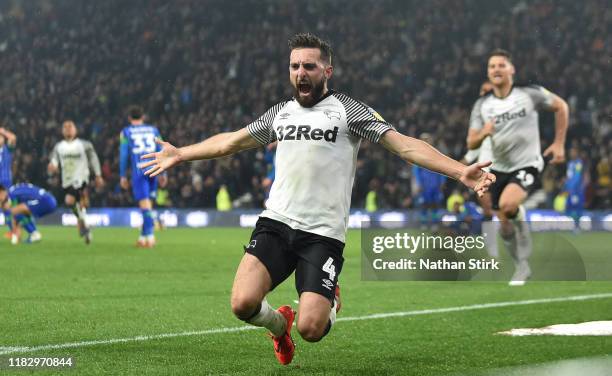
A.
x: 11, y: 139
x: 557, y: 149
x: 220, y: 145
x: 421, y: 153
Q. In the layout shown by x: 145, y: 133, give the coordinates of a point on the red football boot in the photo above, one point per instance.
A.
x: 283, y: 345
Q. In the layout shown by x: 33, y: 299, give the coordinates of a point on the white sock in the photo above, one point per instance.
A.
x: 510, y: 243
x: 332, y: 313
x: 269, y: 319
x: 83, y: 216
x: 490, y: 236
x: 78, y: 211
x: 523, y: 239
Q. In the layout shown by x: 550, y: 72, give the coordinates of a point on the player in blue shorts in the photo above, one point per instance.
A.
x: 8, y: 140
x: 574, y: 187
x: 27, y: 201
x: 136, y: 140
x: 428, y: 186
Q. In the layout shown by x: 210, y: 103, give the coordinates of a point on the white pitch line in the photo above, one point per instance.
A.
x: 24, y: 349
x: 477, y: 306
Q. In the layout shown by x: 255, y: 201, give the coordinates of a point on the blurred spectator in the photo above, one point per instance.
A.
x: 373, y: 196
x: 200, y: 68
x: 604, y: 182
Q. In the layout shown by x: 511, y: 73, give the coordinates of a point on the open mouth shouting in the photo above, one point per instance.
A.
x: 307, y: 93
x: 304, y: 88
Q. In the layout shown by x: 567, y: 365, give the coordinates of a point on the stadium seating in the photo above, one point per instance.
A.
x: 199, y: 70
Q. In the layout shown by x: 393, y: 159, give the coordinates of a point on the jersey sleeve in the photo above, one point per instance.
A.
x: 362, y: 120
x: 476, y: 120
x: 262, y: 129
x: 54, y: 158
x: 542, y: 98
x: 92, y: 158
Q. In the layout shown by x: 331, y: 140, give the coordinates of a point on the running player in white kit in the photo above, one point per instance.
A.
x: 508, y: 116
x: 304, y: 225
x: 76, y: 158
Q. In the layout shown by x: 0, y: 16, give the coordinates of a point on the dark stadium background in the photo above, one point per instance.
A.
x: 201, y: 67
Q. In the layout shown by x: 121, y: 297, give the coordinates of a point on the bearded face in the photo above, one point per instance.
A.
x: 308, y: 75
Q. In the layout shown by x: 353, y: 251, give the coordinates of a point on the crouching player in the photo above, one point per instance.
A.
x: 26, y: 202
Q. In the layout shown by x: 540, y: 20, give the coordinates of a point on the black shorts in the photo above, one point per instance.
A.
x: 77, y: 192
x: 527, y: 178
x: 317, y: 260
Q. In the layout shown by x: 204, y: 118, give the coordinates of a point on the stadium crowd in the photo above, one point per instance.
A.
x: 202, y: 68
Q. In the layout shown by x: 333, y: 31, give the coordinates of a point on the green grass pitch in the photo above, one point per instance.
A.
x: 61, y: 291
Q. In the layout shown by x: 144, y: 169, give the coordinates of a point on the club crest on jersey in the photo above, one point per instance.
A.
x: 375, y: 114
x: 305, y: 132
x: 332, y: 114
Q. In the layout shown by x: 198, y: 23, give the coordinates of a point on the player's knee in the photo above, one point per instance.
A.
x: 310, y: 330
x: 145, y: 204
x: 244, y: 307
x: 509, y: 209
x: 69, y: 200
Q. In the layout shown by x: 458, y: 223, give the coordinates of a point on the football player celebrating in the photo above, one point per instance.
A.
x: 508, y: 115
x: 304, y: 225
x: 76, y: 158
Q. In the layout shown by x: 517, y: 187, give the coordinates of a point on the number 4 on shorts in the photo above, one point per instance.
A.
x: 525, y: 178
x: 329, y: 268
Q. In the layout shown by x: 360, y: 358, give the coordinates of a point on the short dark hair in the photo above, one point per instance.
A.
x: 501, y: 52
x: 2, y: 188
x: 307, y: 40
x: 135, y: 112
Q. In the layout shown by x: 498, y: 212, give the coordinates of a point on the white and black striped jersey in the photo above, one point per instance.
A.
x: 75, y: 158
x: 516, y: 140
x: 316, y: 159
